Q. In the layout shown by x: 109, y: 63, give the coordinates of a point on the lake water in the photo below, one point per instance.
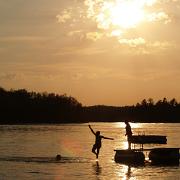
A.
x: 28, y: 152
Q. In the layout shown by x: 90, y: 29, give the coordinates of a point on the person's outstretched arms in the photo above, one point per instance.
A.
x: 92, y: 130
x: 108, y: 138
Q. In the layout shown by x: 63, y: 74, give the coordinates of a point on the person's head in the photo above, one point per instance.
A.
x: 97, y: 133
x: 58, y: 157
x: 126, y: 121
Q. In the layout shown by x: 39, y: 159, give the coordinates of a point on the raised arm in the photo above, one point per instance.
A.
x: 108, y: 138
x: 92, y: 130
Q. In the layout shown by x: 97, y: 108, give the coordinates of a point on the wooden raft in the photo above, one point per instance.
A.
x: 148, y: 139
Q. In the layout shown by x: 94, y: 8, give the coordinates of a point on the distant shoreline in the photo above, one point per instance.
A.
x: 23, y: 107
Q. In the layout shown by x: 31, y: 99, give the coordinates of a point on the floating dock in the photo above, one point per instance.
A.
x: 129, y: 156
x: 166, y: 156
x: 148, y: 139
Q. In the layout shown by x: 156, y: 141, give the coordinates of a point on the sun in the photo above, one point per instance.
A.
x: 127, y: 14
x: 116, y: 18
x: 124, y: 14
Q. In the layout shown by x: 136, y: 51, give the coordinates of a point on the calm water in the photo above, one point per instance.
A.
x: 28, y: 152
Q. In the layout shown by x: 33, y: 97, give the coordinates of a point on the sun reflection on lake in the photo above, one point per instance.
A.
x: 74, y: 143
x: 126, y: 172
x: 136, y: 125
x: 133, y: 125
x: 125, y: 145
x: 97, y: 168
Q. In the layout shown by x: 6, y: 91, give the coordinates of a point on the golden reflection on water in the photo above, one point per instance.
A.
x: 133, y: 125
x: 119, y: 125
x: 97, y: 168
x: 125, y: 145
x: 126, y: 172
x: 136, y: 125
x: 74, y: 143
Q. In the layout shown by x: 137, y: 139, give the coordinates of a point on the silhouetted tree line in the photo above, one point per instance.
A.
x: 21, y: 107
x: 146, y: 111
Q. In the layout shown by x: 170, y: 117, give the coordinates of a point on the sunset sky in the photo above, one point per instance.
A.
x: 112, y: 52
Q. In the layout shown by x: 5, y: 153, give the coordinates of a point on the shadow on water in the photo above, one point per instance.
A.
x: 97, y: 168
x: 128, y: 173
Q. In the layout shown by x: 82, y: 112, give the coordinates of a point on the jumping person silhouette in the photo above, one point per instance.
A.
x: 97, y: 145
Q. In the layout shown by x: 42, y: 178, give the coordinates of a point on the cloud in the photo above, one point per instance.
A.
x: 95, y: 19
x: 76, y: 32
x: 8, y: 76
x: 124, y: 14
x: 80, y: 34
x: 94, y: 36
x: 110, y: 17
x: 116, y: 33
x: 159, y: 16
x: 91, y: 4
x: 65, y: 15
x: 133, y: 42
x: 139, y: 46
x: 158, y: 45
x: 142, y: 42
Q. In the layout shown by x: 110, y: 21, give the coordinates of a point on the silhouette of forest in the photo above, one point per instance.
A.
x: 23, y: 107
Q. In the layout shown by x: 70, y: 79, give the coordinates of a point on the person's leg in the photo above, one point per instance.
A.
x: 129, y: 145
x: 93, y: 149
x: 97, y: 154
x: 129, y: 142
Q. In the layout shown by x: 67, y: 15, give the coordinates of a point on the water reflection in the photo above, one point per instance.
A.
x: 119, y: 125
x: 133, y: 125
x: 136, y: 125
x: 40, y: 144
x: 124, y: 145
x: 125, y: 172
x: 128, y: 173
x: 97, y: 168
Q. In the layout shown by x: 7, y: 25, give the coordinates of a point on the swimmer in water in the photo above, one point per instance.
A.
x: 58, y: 157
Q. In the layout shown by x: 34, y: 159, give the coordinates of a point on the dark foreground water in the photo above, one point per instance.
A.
x: 28, y: 152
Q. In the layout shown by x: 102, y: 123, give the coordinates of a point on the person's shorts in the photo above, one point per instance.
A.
x: 129, y: 138
x: 96, y: 146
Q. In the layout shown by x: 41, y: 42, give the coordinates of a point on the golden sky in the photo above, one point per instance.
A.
x: 112, y: 52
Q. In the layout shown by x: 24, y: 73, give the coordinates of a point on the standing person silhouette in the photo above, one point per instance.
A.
x: 97, y: 145
x: 128, y: 134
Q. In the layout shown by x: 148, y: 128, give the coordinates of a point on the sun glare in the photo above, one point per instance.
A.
x: 126, y: 14
x: 122, y: 14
